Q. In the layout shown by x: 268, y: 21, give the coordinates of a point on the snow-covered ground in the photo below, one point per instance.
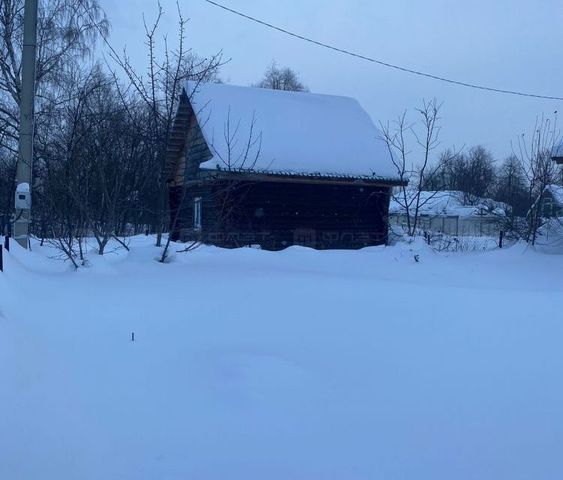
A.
x: 290, y: 365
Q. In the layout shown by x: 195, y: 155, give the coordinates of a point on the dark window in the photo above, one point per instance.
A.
x: 197, y: 213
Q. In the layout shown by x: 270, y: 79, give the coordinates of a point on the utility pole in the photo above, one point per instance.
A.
x: 25, y: 158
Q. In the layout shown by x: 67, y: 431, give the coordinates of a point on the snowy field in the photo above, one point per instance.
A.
x: 290, y: 365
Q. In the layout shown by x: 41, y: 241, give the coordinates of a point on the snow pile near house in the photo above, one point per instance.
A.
x: 299, y: 364
x: 294, y: 132
x: 448, y: 202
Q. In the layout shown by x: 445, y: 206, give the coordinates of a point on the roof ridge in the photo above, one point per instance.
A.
x: 269, y: 90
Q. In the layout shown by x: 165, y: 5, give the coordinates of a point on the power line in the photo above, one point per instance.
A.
x: 379, y: 62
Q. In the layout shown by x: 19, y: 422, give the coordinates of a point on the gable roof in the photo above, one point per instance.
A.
x: 292, y: 132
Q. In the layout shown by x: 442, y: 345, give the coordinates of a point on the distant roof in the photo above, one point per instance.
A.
x: 295, y: 132
x: 557, y: 151
x: 450, y: 202
x: 557, y: 192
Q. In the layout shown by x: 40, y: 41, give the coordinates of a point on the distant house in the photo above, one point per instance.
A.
x: 552, y: 205
x: 452, y: 213
x: 249, y: 166
x: 557, y: 154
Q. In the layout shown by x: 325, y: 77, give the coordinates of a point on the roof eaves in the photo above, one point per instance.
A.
x: 311, y: 175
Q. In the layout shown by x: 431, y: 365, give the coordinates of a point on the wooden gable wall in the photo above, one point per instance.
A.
x: 187, y: 147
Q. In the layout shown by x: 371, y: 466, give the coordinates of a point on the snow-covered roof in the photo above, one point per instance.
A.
x: 557, y: 192
x: 295, y: 132
x: 448, y: 202
x: 557, y: 151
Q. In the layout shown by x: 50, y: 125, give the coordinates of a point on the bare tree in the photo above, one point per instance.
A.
x: 240, y: 155
x: 281, y: 78
x: 534, y: 155
x: 426, y: 134
x: 511, y: 187
x: 7, y: 180
x: 66, y: 32
x: 159, y: 89
x: 94, y: 166
x: 63, y: 174
x: 237, y: 156
x: 116, y: 151
x: 472, y: 172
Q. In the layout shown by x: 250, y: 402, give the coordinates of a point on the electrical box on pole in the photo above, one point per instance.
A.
x: 22, y: 202
x: 23, y: 197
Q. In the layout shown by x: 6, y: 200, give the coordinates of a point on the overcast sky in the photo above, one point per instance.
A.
x: 508, y: 44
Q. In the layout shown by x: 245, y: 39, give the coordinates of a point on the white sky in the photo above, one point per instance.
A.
x: 510, y: 44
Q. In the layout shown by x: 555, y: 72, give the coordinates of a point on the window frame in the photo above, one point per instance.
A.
x: 197, y: 213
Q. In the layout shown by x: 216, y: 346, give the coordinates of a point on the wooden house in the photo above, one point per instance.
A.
x: 249, y: 166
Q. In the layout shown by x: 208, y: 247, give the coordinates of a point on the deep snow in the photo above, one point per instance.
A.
x: 291, y: 365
